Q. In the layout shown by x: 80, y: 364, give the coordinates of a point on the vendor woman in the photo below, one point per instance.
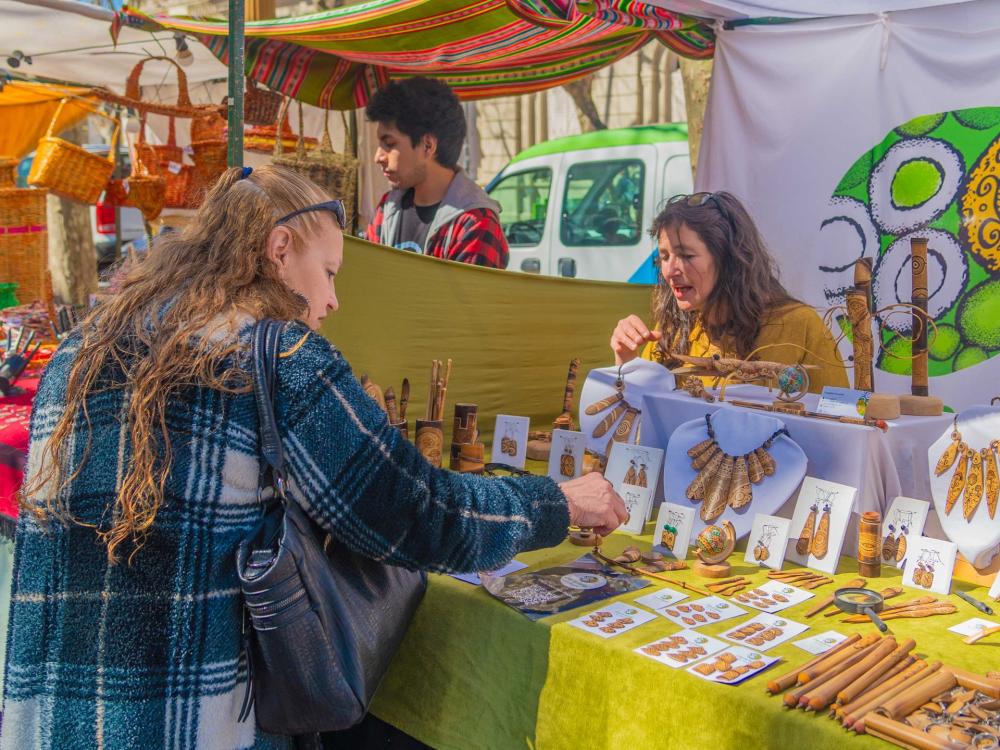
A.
x: 718, y: 293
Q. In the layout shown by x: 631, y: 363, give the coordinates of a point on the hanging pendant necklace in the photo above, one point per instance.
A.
x: 975, y: 474
x: 724, y: 480
x: 622, y: 410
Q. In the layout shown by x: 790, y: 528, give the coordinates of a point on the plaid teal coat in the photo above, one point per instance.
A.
x: 148, y: 655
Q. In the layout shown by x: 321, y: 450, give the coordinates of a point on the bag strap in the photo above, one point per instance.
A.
x: 264, y: 345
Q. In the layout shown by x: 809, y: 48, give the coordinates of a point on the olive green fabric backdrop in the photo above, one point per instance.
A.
x: 511, y: 335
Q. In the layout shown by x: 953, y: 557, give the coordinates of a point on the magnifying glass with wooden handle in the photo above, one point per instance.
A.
x: 858, y: 601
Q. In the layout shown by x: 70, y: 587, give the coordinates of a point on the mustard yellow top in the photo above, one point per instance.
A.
x: 788, y: 328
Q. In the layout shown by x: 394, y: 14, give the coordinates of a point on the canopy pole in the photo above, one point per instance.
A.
x: 237, y: 56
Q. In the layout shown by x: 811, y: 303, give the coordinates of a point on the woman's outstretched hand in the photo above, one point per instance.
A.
x: 594, y: 504
x: 629, y: 336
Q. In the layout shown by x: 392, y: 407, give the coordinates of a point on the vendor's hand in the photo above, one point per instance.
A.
x: 594, y: 504
x: 629, y: 336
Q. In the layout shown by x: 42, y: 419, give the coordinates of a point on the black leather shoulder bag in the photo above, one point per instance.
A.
x: 321, y: 623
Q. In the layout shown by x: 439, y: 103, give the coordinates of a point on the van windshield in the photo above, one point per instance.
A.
x: 524, y: 203
x: 602, y: 204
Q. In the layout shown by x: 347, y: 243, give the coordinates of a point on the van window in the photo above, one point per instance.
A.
x: 603, y: 203
x: 524, y: 203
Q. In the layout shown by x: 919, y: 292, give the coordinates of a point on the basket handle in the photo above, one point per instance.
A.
x: 326, y: 144
x: 139, y: 168
x: 62, y: 103
x: 132, y: 84
x: 279, y: 147
x: 171, y: 133
x: 300, y: 144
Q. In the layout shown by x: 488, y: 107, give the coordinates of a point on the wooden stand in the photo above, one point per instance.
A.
x: 883, y: 406
x: 539, y: 446
x: 788, y: 407
x: 921, y: 406
x: 712, y: 570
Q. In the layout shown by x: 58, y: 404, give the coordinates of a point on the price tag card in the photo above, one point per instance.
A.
x: 820, y: 644
x: 843, y: 402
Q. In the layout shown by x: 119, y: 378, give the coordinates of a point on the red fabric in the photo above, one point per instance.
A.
x: 474, y: 237
x: 15, y: 416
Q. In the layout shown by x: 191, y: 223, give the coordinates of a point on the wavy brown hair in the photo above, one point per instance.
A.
x: 747, y: 288
x: 170, y: 325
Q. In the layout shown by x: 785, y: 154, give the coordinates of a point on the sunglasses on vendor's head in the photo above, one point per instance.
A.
x: 336, y: 207
x: 700, y: 199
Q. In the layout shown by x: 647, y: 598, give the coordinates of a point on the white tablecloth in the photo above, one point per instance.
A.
x: 881, y: 465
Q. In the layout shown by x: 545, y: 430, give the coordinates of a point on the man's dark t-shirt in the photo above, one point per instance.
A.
x: 414, y: 222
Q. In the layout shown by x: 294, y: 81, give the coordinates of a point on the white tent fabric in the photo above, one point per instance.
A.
x: 729, y: 10
x: 793, y: 106
x: 78, y: 49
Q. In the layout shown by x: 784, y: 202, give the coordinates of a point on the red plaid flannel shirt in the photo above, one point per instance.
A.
x: 474, y: 237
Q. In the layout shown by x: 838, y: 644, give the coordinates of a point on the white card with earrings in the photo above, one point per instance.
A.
x: 929, y: 564
x: 566, y: 455
x: 510, y: 440
x: 672, y: 532
x: 902, y: 523
x: 768, y: 541
x: 637, y: 502
x: 822, y: 513
x: 635, y: 465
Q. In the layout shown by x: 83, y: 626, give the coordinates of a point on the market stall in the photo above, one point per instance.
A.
x: 784, y: 497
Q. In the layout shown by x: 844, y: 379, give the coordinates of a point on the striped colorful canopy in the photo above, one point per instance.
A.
x: 482, y: 48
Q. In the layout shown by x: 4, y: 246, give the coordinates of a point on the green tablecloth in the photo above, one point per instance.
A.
x: 473, y: 673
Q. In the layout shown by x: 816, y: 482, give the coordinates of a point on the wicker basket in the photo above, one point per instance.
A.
x: 71, y: 171
x: 208, y: 126
x: 133, y: 93
x: 335, y: 173
x: 260, y: 106
x: 210, y: 160
x: 142, y: 189
x: 166, y: 152
x: 8, y: 172
x: 180, y: 192
x: 24, y: 243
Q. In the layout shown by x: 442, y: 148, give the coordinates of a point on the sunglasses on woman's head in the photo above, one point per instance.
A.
x: 336, y: 207
x: 700, y: 199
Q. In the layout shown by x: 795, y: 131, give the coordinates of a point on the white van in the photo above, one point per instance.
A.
x: 581, y: 206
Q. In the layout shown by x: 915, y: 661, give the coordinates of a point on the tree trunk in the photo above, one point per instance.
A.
x: 72, y: 257
x: 586, y: 108
x: 697, y: 75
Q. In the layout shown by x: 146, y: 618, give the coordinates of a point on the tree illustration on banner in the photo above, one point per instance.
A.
x: 936, y: 176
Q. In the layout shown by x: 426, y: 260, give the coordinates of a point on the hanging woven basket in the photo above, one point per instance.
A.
x: 260, y: 106
x: 335, y: 173
x: 166, y: 152
x: 69, y: 170
x: 133, y: 94
x: 141, y: 189
x: 8, y: 172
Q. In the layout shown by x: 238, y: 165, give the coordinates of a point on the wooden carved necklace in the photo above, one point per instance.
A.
x: 724, y: 480
x: 621, y: 407
x: 975, y: 474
